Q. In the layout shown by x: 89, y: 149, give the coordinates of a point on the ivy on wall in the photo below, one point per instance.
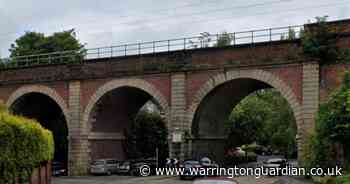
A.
x: 329, y: 145
x: 319, y: 42
x: 24, y: 144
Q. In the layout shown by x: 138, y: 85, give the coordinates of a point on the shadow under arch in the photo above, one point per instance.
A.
x: 110, y: 111
x: 216, y: 98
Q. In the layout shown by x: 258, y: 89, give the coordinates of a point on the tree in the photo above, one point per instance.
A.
x: 330, y: 144
x: 319, y: 41
x: 147, y: 133
x: 224, y: 39
x: 266, y: 118
x: 32, y: 43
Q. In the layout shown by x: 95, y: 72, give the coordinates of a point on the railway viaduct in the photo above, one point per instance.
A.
x: 195, y: 89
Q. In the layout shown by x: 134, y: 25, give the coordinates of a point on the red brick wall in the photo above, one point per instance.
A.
x: 194, y: 81
x: 292, y: 75
x: 162, y: 83
x: 330, y: 78
x: 60, y: 87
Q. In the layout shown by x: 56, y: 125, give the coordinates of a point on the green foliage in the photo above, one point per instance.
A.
x: 266, y: 118
x: 345, y: 179
x: 231, y: 160
x: 319, y: 42
x: 224, y: 39
x: 32, y: 43
x: 332, y: 127
x: 24, y: 144
x: 147, y: 133
x: 291, y: 35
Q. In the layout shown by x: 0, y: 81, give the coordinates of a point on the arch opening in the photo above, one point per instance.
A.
x: 112, y: 118
x: 210, y: 127
x: 49, y: 114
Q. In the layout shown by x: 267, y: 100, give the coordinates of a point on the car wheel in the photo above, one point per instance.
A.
x: 109, y: 173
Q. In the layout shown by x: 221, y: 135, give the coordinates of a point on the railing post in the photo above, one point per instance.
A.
x: 270, y: 34
x: 184, y: 43
x: 111, y: 51
x: 139, y: 48
x: 98, y: 52
x: 217, y: 40
x: 252, y: 36
x: 168, y: 45
x: 154, y: 47
x: 125, y: 49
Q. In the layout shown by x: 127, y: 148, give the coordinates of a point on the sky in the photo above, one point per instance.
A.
x: 112, y: 22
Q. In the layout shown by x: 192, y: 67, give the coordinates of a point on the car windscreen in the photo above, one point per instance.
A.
x: 192, y: 162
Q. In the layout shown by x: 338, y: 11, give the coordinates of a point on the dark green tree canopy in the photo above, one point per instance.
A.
x: 37, y: 43
x: 263, y: 117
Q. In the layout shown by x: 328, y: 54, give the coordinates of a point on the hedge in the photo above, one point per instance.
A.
x: 24, y: 144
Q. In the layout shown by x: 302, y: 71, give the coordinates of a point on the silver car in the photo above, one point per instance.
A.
x: 104, y: 166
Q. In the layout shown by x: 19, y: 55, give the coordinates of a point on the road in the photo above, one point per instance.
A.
x: 150, y: 180
x: 119, y: 180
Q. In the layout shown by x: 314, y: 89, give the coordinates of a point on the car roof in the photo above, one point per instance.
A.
x: 276, y: 159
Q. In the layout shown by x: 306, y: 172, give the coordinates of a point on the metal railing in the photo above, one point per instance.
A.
x: 206, y: 40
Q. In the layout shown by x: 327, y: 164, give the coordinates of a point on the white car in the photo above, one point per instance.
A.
x: 104, y: 166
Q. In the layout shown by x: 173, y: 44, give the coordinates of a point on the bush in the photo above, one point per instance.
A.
x: 343, y: 179
x: 24, y: 144
x: 231, y: 160
x: 332, y: 129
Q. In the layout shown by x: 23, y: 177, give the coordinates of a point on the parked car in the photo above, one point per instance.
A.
x: 275, y: 163
x: 124, y: 167
x: 58, y: 169
x: 207, y: 163
x: 139, y: 163
x: 215, y: 180
x: 104, y: 166
x: 237, y: 151
x: 188, y: 165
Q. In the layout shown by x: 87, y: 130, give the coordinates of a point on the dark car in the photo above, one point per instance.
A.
x: 275, y: 163
x: 58, y: 169
x: 124, y: 167
x: 188, y: 166
x: 137, y: 165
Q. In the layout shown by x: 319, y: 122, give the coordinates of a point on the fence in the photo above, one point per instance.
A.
x: 204, y: 41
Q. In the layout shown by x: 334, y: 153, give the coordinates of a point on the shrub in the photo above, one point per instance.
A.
x: 319, y: 41
x: 332, y: 129
x: 345, y: 179
x: 24, y: 144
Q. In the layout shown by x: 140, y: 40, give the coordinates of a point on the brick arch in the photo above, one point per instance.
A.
x: 118, y: 83
x: 43, y: 90
x: 257, y: 74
